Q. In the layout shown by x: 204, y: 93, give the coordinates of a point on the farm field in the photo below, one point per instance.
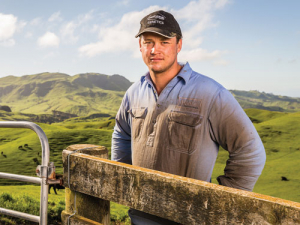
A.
x: 28, y: 198
x: 280, y: 133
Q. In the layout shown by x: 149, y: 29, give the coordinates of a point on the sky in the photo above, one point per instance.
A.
x: 244, y: 45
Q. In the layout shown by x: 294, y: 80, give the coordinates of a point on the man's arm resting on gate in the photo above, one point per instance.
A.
x: 234, y: 131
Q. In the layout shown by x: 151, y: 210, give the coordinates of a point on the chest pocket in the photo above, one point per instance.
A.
x: 138, y: 119
x: 182, y: 128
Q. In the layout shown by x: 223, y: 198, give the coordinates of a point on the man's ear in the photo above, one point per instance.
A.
x: 140, y: 44
x: 179, y: 45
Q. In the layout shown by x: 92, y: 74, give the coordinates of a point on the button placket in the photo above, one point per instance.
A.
x: 151, y: 137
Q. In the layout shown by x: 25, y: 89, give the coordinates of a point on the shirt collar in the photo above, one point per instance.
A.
x: 184, y: 73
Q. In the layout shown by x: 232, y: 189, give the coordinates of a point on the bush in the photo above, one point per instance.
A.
x: 6, y: 197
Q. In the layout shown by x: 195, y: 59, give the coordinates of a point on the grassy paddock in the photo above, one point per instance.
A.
x: 26, y: 198
x: 280, y: 133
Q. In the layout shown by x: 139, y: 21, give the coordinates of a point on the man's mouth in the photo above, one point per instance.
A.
x: 155, y: 59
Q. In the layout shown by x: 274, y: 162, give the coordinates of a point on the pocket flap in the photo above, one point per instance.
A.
x: 189, y: 119
x: 138, y: 112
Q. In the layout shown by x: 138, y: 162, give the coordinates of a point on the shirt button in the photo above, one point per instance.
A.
x: 158, y: 105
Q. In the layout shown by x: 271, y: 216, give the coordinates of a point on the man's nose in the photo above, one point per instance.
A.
x: 152, y: 50
x: 155, y: 48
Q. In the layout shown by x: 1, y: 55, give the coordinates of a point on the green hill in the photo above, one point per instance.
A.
x: 280, y: 133
x: 90, y: 93
x: 262, y: 100
x: 82, y: 94
x: 17, y: 158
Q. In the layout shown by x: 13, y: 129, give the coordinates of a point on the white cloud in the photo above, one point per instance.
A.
x: 55, y: 17
x: 96, y: 28
x: 36, y: 21
x: 21, y: 25
x: 67, y: 32
x: 69, y: 29
x: 119, y: 37
x: 221, y: 3
x: 49, y: 39
x: 85, y: 17
x: 8, y: 26
x: 194, y: 18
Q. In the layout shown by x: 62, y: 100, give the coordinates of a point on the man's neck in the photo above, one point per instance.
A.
x: 160, y: 80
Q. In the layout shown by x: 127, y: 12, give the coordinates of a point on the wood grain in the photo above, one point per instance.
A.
x: 180, y: 199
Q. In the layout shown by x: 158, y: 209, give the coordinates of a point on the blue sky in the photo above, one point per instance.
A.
x: 244, y: 45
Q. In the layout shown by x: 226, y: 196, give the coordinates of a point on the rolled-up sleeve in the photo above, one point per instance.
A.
x: 121, y: 137
x: 234, y: 131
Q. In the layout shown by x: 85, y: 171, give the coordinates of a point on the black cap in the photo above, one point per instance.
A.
x: 160, y: 22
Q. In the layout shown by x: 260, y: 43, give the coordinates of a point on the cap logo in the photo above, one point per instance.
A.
x: 158, y: 16
x: 156, y: 19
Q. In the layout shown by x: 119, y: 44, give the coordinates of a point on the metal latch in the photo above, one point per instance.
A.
x: 49, y: 173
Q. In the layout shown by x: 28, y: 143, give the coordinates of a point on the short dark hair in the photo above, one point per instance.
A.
x: 178, y: 37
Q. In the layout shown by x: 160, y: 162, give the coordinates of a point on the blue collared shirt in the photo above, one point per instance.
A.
x: 180, y: 130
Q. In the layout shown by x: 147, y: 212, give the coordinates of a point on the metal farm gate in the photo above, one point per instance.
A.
x: 45, y: 172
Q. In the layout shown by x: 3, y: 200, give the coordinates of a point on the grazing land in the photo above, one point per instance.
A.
x: 280, y: 133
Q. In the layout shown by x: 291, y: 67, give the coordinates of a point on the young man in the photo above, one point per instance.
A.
x: 174, y: 119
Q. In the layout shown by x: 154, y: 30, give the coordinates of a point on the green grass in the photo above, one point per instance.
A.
x: 26, y: 198
x: 82, y: 94
x: 60, y: 135
x: 280, y: 133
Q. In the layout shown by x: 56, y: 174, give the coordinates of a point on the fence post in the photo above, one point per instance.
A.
x: 89, y: 209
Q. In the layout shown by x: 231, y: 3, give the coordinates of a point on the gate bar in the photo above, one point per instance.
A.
x: 20, y: 215
x: 45, y: 163
x: 35, y: 180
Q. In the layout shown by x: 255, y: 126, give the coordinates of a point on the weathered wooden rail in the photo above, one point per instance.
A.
x: 97, y: 181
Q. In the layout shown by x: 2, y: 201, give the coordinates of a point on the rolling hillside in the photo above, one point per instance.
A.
x: 262, y: 100
x: 280, y: 133
x: 89, y: 93
x: 21, y: 148
x: 95, y: 99
x: 82, y: 94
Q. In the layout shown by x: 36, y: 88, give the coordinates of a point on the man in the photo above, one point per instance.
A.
x: 174, y: 119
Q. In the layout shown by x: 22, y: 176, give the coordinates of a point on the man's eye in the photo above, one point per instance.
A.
x: 165, y: 42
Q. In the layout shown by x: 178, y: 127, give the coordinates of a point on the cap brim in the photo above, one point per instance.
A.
x: 153, y: 30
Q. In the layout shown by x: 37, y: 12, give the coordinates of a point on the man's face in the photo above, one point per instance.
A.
x: 159, y: 53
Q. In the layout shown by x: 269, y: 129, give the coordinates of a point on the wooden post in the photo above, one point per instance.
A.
x: 180, y: 199
x: 89, y: 209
